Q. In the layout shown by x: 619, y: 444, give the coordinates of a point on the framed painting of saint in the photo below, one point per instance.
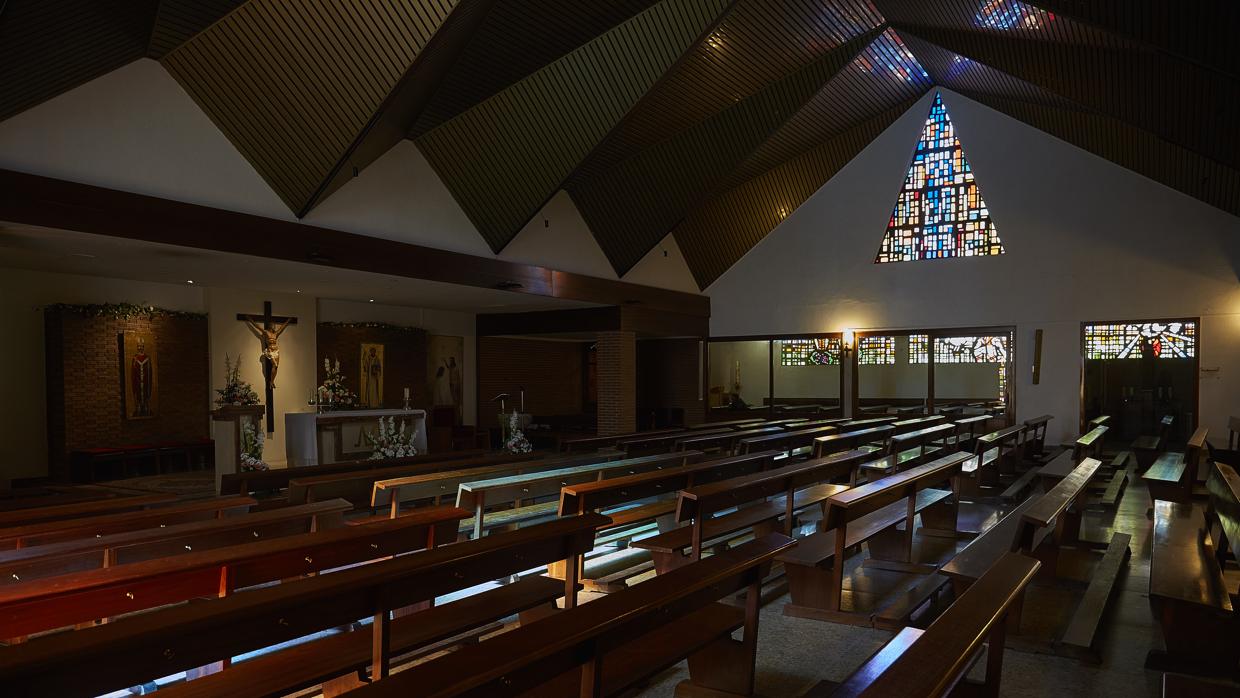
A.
x: 140, y: 375
x: 446, y: 371
x: 370, y: 383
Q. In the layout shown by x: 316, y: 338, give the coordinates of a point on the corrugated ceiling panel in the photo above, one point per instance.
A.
x: 504, y: 158
x: 177, y: 21
x: 1010, y: 19
x: 293, y: 84
x: 885, y: 74
x: 634, y: 205
x: 50, y: 46
x: 1100, y: 134
x: 718, y: 234
x: 758, y: 42
x: 517, y: 38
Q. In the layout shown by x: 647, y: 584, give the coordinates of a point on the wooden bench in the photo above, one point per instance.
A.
x: 1089, y: 445
x: 725, y: 442
x: 1122, y: 470
x: 357, y: 486
x: 737, y: 424
x: 786, y: 441
x: 1098, y: 421
x: 523, y: 490
x: 936, y: 661
x: 906, y: 425
x: 151, y: 645
x: 46, y: 532
x: 661, y: 443
x: 909, y: 449
x: 1188, y: 592
x: 1041, y: 527
x: 869, y: 513
x: 612, y: 644
x: 125, y: 548
x: 967, y: 429
x: 1149, y: 446
x: 35, y: 606
x: 249, y: 481
x: 1035, y: 441
x: 1171, y: 476
x: 997, y: 452
x: 595, y: 443
x: 855, y: 424
x: 27, y: 497
x: 853, y: 439
x: 77, y: 510
x: 796, y: 487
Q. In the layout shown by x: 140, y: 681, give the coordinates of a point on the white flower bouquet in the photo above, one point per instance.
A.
x: 392, y: 441
x: 252, y: 440
x: 332, y: 392
x: 516, y: 443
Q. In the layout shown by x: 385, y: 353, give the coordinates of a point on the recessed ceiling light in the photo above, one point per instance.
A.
x: 372, y: 300
x: 83, y: 255
x: 189, y: 281
x: 299, y: 290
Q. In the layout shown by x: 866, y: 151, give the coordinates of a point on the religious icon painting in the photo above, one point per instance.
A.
x: 370, y: 383
x: 446, y: 371
x: 139, y: 375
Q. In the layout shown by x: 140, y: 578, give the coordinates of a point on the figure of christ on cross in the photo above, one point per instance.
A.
x: 270, y: 356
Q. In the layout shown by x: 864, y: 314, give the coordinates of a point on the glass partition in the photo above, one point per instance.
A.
x: 971, y: 371
x: 808, y: 375
x: 887, y: 381
x: 739, y: 378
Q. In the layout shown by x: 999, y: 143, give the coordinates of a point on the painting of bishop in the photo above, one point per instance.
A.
x: 140, y: 377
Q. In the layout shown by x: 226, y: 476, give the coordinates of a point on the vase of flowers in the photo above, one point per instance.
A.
x: 332, y: 394
x: 516, y: 441
x: 252, y: 439
x: 392, y: 441
x: 236, y: 392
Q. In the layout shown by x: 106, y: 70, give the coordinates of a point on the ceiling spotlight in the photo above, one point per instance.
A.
x: 299, y: 290
x: 372, y: 300
x: 189, y: 281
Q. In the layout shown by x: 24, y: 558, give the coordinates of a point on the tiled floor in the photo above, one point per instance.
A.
x: 794, y: 653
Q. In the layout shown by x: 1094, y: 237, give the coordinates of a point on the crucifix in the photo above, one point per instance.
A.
x: 269, y: 335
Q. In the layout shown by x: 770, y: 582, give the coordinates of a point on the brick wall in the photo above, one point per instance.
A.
x: 404, y: 358
x: 85, y: 388
x: 551, y: 373
x: 668, y: 374
x: 617, y: 382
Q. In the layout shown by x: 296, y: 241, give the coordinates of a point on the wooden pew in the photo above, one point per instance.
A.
x: 636, y: 500
x: 904, y: 426
x: 967, y: 429
x: 394, y: 492
x: 786, y: 441
x: 1089, y: 445
x: 909, y: 449
x: 734, y: 424
x: 35, y: 606
x: 1035, y: 441
x: 1172, y: 474
x: 936, y: 661
x: 1188, y: 592
x: 1041, y: 527
x: 1149, y: 446
x: 596, y: 443
x: 724, y: 442
x: 147, y: 544
x: 46, y: 532
x: 77, y: 510
x: 613, y: 643
x: 1098, y: 421
x: 997, y: 452
x: 56, y: 495
x: 878, y: 435
x: 276, y: 479
x: 357, y: 486
x: 797, y: 486
x: 143, y: 647
x: 870, y: 513
x: 661, y: 443
x: 523, y: 489
x: 855, y: 424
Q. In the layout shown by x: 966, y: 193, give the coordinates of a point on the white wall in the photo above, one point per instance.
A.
x: 441, y: 322
x: 1085, y: 240
x: 23, y: 295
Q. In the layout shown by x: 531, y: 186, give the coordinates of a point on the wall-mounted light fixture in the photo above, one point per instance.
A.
x: 846, y: 342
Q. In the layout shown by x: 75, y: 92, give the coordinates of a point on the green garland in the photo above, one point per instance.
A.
x: 122, y: 311
x: 373, y: 326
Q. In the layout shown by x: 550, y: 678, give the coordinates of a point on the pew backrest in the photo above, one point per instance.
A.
x: 77, y: 510
x: 726, y: 440
x: 592, y: 443
x: 904, y: 426
x: 872, y: 496
x: 1055, y: 502
x: 921, y: 437
x: 785, y: 440
x: 47, y: 532
x: 848, y: 440
x: 854, y: 424
x: 1090, y: 443
x: 355, y: 486
x: 1223, y: 511
x: 249, y: 481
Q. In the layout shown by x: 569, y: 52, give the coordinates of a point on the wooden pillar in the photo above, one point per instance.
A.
x: 617, y: 382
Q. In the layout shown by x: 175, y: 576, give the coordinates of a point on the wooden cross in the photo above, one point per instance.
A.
x: 269, y: 337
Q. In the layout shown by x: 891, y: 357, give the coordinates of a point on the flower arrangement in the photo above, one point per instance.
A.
x: 235, y: 391
x: 252, y: 439
x: 332, y: 392
x: 392, y: 441
x: 516, y: 443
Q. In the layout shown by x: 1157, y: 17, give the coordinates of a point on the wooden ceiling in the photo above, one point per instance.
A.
x: 711, y: 120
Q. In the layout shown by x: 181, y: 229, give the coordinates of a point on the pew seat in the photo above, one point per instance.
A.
x: 1165, y: 477
x: 668, y: 547
x: 1121, y: 467
x: 898, y: 461
x: 349, y: 653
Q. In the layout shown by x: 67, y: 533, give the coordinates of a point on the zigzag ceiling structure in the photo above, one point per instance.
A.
x: 711, y: 120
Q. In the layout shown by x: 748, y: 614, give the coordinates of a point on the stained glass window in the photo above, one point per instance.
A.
x: 1164, y: 340
x: 810, y: 352
x: 918, y: 348
x: 963, y: 350
x: 876, y: 350
x: 1005, y: 15
x: 939, y: 212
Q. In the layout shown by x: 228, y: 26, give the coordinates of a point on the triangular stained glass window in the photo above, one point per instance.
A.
x: 940, y: 212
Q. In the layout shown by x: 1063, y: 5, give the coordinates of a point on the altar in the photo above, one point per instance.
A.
x: 331, y: 437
